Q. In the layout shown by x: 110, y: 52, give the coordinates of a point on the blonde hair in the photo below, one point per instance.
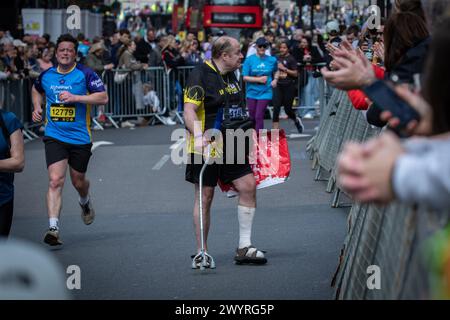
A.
x: 167, y: 41
x: 186, y: 45
x: 257, y: 35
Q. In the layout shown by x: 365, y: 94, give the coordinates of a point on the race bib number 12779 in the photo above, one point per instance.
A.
x: 62, y: 112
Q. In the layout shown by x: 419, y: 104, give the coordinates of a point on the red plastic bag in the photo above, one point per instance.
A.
x: 270, y: 161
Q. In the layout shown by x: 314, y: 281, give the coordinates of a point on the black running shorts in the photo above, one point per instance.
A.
x: 78, y: 155
x: 227, y: 173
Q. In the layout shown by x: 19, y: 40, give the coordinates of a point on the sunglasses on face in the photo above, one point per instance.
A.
x: 263, y: 46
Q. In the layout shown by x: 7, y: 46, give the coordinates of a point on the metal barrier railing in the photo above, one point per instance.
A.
x: 126, y: 98
x: 390, y: 237
x: 311, y: 87
x: 15, y: 96
x: 393, y: 239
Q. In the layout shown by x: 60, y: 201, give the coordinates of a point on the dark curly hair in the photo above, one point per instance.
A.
x: 67, y: 38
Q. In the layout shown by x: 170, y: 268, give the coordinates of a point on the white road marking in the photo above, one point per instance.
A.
x: 177, y: 144
x: 298, y: 135
x: 97, y: 144
x: 161, y: 162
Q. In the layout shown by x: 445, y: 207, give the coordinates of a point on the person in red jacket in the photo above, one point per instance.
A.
x: 358, y: 98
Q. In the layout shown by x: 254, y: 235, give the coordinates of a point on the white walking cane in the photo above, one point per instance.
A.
x: 203, y: 254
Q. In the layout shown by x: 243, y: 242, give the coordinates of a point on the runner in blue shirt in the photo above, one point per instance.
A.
x: 12, y: 159
x: 259, y: 73
x: 69, y: 89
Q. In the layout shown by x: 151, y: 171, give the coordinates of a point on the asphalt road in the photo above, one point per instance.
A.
x: 140, y: 244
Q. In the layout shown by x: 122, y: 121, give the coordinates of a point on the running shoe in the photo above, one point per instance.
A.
x: 87, y: 213
x: 299, y: 125
x: 52, y: 237
x: 309, y: 115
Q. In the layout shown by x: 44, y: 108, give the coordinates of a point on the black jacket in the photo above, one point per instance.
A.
x: 411, y: 63
x: 172, y: 58
x: 143, y: 49
x: 315, y: 55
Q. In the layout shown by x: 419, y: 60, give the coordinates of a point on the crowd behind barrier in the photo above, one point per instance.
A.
x: 393, y: 238
x: 15, y: 96
x: 126, y: 97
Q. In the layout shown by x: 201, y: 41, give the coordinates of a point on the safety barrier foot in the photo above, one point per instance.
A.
x: 179, y: 117
x: 331, y: 184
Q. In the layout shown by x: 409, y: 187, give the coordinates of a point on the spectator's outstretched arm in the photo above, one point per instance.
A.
x: 354, y: 70
x: 383, y: 169
x: 424, y: 176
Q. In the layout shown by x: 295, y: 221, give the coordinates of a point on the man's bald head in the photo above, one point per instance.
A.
x: 224, y: 44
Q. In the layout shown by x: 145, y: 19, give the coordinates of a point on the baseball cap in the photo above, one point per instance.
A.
x: 221, y: 33
x: 332, y: 26
x: 262, y: 42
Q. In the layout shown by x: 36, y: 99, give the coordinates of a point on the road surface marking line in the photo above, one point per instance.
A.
x: 177, y: 144
x: 97, y: 144
x: 161, y: 162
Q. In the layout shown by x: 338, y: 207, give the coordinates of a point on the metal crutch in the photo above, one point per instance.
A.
x: 203, y: 254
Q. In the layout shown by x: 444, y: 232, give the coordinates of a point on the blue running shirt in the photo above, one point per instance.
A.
x: 70, y: 122
x: 256, y: 66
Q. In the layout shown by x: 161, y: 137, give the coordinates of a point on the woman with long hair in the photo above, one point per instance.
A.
x: 127, y: 61
x: 406, y: 41
x: 286, y: 89
x: 308, y: 56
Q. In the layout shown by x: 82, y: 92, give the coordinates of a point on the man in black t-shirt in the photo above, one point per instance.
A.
x: 210, y: 86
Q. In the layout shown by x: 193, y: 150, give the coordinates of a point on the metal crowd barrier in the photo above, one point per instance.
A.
x: 125, y: 98
x: 341, y: 123
x: 391, y: 238
x: 15, y: 96
x: 177, y: 80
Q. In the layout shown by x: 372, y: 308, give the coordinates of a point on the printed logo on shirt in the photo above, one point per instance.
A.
x: 60, y: 88
x: 195, y: 93
x: 96, y: 83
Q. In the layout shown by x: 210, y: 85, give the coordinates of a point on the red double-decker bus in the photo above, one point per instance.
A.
x: 231, y: 16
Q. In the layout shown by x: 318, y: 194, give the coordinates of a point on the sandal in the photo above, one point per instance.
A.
x: 248, y: 255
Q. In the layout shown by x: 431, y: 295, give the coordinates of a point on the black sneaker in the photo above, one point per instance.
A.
x: 52, y: 237
x: 299, y: 125
x: 87, y: 213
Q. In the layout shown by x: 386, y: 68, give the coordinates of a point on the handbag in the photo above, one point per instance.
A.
x: 119, y: 76
x: 270, y: 162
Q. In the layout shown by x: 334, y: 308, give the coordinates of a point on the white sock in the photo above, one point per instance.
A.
x: 84, y: 200
x: 54, y: 223
x: 245, y: 217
